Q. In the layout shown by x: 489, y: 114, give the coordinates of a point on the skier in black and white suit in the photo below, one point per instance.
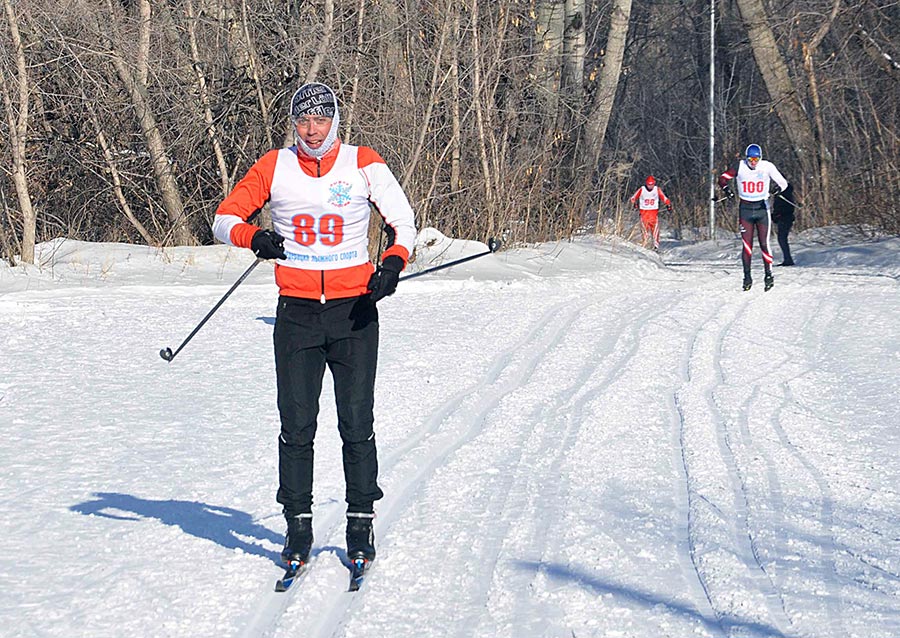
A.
x: 752, y: 177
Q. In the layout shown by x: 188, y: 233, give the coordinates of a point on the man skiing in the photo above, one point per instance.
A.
x: 320, y: 193
x: 647, y: 199
x: 753, y: 176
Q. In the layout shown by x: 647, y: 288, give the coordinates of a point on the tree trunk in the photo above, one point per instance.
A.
x: 324, y: 43
x: 574, y: 40
x: 143, y: 51
x: 780, y: 86
x: 455, y: 107
x: 436, y: 83
x: 809, y: 49
x: 203, y: 94
x: 313, y: 71
x: 252, y: 67
x: 18, y: 136
x: 549, y: 27
x: 159, y: 159
x: 357, y: 65
x: 483, y: 143
x: 241, y: 53
x: 572, y: 87
x: 5, y: 244
x: 116, y: 179
x: 601, y: 108
x: 395, y: 59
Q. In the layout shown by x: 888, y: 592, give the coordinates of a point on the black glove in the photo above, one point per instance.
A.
x: 669, y: 207
x: 776, y: 189
x: 728, y: 192
x: 383, y: 281
x: 267, y: 244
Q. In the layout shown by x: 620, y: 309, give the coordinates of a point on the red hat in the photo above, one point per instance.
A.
x: 651, y: 181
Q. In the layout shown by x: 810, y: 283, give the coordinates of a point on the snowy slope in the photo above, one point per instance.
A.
x: 576, y: 439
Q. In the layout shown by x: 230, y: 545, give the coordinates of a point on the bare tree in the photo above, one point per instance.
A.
x: 781, y: 87
x: 600, y: 109
x: 547, y: 66
x: 495, y: 115
x: 395, y: 60
x: 809, y: 51
x: 313, y: 70
x: 204, y: 99
x: 132, y: 79
x: 17, y: 119
x: 573, y: 52
x: 455, y: 106
x: 357, y: 65
x: 5, y: 244
x: 109, y: 157
x: 438, y: 78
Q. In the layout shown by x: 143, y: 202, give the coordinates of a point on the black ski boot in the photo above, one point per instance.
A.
x: 747, y: 282
x: 298, y: 540
x: 769, y: 281
x: 360, y: 537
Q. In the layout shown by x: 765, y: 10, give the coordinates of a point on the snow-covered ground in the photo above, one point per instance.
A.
x: 577, y: 439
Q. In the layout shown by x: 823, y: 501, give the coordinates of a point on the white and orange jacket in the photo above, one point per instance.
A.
x: 648, y: 200
x: 321, y: 208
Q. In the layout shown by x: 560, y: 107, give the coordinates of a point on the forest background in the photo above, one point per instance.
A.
x: 531, y: 120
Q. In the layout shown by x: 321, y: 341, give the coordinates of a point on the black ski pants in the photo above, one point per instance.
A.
x: 784, y: 228
x: 342, y: 334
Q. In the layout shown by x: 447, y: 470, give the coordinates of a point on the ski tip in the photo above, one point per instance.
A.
x: 293, y: 570
x: 358, y: 568
x: 283, y: 584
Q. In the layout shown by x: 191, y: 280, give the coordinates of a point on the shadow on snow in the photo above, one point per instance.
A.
x: 716, y: 626
x: 224, y: 526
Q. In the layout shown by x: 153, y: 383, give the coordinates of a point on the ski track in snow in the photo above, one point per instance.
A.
x: 722, y: 535
x: 452, y: 426
x: 661, y: 455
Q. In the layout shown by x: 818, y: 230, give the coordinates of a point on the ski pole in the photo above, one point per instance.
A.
x: 168, y: 355
x: 788, y: 201
x: 493, y: 246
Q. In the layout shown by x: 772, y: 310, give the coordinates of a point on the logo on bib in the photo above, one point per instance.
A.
x: 340, y: 194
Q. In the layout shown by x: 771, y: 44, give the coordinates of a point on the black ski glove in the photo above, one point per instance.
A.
x: 383, y: 281
x: 267, y: 244
x: 776, y: 189
x: 728, y: 192
x: 669, y: 208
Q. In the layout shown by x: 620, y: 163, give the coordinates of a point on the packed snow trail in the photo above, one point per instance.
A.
x: 574, y: 441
